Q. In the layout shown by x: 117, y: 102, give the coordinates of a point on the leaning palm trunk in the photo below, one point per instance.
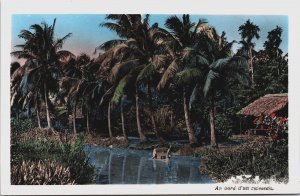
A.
x: 47, y: 107
x: 138, y: 121
x: 74, y: 118
x: 109, y: 121
x: 213, y: 140
x: 38, y: 114
x: 191, y: 133
x: 123, y: 122
x: 152, y: 116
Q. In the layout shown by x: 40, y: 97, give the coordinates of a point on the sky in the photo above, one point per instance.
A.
x: 87, y: 34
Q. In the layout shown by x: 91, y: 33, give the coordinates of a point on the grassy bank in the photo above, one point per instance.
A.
x: 258, y: 157
x: 67, y: 157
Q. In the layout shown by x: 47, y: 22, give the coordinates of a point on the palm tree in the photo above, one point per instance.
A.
x: 248, y: 31
x: 140, y: 46
x: 184, y: 42
x: 222, y: 69
x: 272, y: 44
x: 20, y: 97
x: 45, y: 51
x: 79, y: 87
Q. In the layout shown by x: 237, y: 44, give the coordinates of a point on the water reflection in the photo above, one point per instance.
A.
x: 124, y: 166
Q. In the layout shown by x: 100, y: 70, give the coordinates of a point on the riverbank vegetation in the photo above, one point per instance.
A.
x: 162, y: 84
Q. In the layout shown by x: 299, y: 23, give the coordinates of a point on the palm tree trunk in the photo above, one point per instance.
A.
x: 87, y: 122
x: 123, y: 122
x: 47, y: 107
x: 109, y: 121
x: 171, y: 120
x: 38, y: 114
x: 138, y: 121
x: 191, y: 133
x: 213, y: 140
x: 251, y: 67
x: 28, y: 111
x: 160, y: 139
x: 74, y: 118
x: 18, y: 113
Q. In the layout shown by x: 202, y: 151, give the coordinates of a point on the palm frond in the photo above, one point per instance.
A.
x: 59, y: 42
x: 110, y: 44
x: 237, y: 68
x: 211, y: 77
x: 27, y: 99
x: 30, y: 80
x: 189, y: 76
x: 219, y: 64
x: 52, y: 28
x: 22, y: 54
x: 65, y: 54
x: 174, y: 24
x: 119, y: 91
x: 108, y: 95
x: 37, y: 28
x: 113, y: 27
x: 147, y: 74
x: 168, y: 74
x: 202, y: 61
x: 158, y: 61
x: 113, y: 16
x: 25, y: 34
x: 120, y: 69
x: 199, y: 23
x: 197, y: 94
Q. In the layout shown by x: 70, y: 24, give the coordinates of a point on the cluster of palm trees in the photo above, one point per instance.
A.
x: 191, y: 57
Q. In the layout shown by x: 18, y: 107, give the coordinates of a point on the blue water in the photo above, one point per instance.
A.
x: 126, y: 166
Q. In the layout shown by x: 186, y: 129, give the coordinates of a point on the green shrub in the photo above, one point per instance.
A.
x: 74, y: 157
x: 257, y: 158
x: 39, y: 145
x: 40, y: 173
x: 21, y: 125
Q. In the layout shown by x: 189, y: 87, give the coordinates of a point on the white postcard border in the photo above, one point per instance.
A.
x: 217, y: 7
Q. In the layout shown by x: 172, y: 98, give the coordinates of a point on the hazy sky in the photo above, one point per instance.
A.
x: 86, y: 33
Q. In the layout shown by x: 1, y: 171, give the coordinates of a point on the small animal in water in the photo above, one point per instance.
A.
x: 161, y: 153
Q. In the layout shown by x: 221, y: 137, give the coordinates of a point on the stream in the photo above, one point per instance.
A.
x: 127, y: 166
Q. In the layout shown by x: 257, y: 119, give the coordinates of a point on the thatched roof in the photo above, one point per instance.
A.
x: 266, y: 105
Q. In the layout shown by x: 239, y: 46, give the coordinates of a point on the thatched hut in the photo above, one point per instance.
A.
x: 266, y: 105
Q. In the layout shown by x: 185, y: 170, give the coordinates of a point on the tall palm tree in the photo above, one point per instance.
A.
x: 45, y: 51
x: 22, y: 98
x: 221, y: 69
x: 248, y: 31
x: 185, y: 55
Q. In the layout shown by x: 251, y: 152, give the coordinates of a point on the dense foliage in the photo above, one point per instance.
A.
x: 255, y: 158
